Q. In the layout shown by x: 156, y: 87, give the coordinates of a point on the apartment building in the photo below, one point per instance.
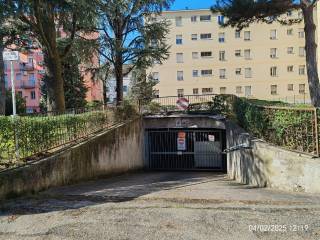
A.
x: 265, y: 61
x: 29, y: 71
x: 111, y: 85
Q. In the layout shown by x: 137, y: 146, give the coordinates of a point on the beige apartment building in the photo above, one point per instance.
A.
x: 264, y: 61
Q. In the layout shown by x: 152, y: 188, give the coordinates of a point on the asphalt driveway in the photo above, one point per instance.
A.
x: 162, y: 205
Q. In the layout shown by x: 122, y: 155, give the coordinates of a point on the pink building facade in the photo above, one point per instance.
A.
x: 28, y: 72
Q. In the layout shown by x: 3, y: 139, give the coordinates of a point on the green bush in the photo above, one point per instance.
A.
x: 285, y: 127
x: 125, y: 111
x: 40, y: 133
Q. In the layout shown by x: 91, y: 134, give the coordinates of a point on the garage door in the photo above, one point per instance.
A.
x: 185, y: 149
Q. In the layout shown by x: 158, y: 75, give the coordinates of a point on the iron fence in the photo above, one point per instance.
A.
x: 24, y: 138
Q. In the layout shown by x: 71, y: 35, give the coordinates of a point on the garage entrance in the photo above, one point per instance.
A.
x: 185, y: 149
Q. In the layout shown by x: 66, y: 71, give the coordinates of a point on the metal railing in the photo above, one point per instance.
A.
x: 295, y: 129
x: 28, y: 137
x: 291, y: 127
x: 170, y: 103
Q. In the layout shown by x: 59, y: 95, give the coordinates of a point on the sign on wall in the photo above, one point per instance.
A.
x: 181, y: 141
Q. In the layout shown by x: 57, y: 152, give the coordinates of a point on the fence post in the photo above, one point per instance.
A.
x: 316, y: 130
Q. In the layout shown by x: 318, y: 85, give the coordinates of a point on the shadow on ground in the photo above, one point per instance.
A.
x: 179, y: 187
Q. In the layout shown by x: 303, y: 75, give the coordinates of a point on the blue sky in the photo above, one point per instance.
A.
x: 191, y: 4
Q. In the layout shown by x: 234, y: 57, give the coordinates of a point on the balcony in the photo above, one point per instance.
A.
x: 28, y: 84
x: 27, y: 67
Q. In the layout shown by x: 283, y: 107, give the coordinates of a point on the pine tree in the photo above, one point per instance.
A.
x: 132, y: 34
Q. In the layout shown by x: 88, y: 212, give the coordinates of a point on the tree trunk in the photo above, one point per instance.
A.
x: 311, y: 55
x: 119, y: 78
x: 56, y: 98
x: 2, y: 83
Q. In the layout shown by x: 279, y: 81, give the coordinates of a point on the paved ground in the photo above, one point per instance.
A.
x: 174, y: 205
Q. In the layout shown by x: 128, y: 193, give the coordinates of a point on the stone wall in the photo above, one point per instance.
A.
x: 114, y: 151
x: 268, y: 166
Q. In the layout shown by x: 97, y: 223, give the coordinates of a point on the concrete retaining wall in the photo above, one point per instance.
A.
x: 115, y: 151
x: 274, y: 167
x: 184, y: 121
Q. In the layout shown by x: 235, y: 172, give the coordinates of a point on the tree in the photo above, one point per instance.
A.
x: 241, y: 13
x: 47, y: 19
x: 6, y: 31
x: 20, y: 104
x: 74, y: 86
x: 131, y: 34
x: 142, y: 87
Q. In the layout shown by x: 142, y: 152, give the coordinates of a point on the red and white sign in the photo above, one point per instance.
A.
x: 181, y: 141
x: 182, y: 103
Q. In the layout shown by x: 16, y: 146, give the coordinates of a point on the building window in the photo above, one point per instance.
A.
x: 180, y: 92
x: 237, y: 53
x: 302, y: 70
x: 301, y: 33
x: 237, y: 34
x: 156, y: 76
x: 157, y: 93
x: 290, y: 87
x: 32, y: 78
x: 273, y: 72
x: 302, y: 51
x: 273, y: 34
x: 290, y: 32
x: 178, y: 21
x: 221, y: 37
x: 248, y: 72
x: 179, y: 57
x: 33, y: 95
x: 290, y: 68
x: 125, y: 89
x: 206, y: 54
x: 247, y: 91
x: 206, y: 72
x: 195, y: 91
x: 290, y: 50
x: 247, y: 35
x: 238, y: 89
x: 205, y: 18
x: 195, y: 73
x: 193, y: 18
x: 20, y: 94
x: 179, y: 39
x: 18, y: 76
x: 222, y: 73
x: 222, y: 55
x: 302, y: 88
x: 273, y: 89
x: 194, y: 37
x: 207, y: 90
x: 220, y: 20
x: 238, y: 71
x: 273, y: 52
x: 205, y: 36
x: 247, y: 54
x: 180, y: 75
x: 223, y: 90
x: 195, y: 55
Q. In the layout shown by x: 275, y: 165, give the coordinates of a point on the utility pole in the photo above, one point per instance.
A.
x: 13, y: 56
